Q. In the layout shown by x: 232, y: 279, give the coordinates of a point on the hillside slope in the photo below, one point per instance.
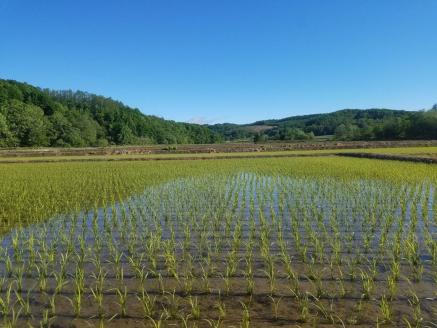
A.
x: 347, y: 124
x: 30, y: 116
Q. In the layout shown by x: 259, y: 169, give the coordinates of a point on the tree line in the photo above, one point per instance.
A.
x: 30, y: 116
x: 347, y: 124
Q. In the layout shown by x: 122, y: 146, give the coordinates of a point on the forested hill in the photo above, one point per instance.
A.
x: 347, y: 124
x: 30, y: 116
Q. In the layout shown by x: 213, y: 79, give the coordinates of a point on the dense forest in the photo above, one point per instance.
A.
x: 347, y: 124
x: 30, y: 116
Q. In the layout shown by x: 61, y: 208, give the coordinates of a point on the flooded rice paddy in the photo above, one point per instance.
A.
x: 244, y: 250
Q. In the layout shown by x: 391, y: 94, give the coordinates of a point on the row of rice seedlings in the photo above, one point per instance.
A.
x: 148, y: 238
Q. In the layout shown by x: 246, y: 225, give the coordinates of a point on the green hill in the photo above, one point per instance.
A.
x: 347, y: 124
x: 30, y: 116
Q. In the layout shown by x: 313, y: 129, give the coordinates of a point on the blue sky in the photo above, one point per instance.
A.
x: 227, y: 60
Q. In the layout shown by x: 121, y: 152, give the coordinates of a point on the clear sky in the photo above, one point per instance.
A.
x: 227, y: 60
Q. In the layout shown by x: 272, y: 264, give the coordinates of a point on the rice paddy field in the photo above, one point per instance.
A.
x: 248, y: 242
x: 6, y: 157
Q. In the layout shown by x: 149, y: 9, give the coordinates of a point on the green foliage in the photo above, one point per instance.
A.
x: 30, y: 117
x: 259, y: 138
x: 287, y: 133
x: 348, y: 124
x: 6, y: 138
x: 27, y: 123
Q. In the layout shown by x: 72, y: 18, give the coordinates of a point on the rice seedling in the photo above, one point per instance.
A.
x: 367, y: 285
x: 414, y: 302
x: 13, y: 319
x: 24, y: 303
x: 148, y: 303
x: 214, y: 323
x: 275, y: 305
x: 221, y: 308
x: 173, y: 305
x: 6, y: 303
x: 122, y: 300
x: 270, y: 273
x: 392, y: 287
x: 195, y: 308
x: 161, y: 284
x: 185, y: 320
x: 245, y: 320
x: 156, y: 323
x: 98, y: 297
x: 385, y: 309
x: 77, y: 300
x: 304, y: 306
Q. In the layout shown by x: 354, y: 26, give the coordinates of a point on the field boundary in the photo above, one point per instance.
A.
x: 211, y: 148
x: 390, y: 157
x: 140, y: 159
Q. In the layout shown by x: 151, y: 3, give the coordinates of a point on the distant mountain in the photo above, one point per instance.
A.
x: 30, y: 116
x: 346, y: 124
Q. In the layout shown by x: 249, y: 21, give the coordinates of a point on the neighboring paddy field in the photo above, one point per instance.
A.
x: 246, y: 242
x: 415, y: 152
x: 420, y: 152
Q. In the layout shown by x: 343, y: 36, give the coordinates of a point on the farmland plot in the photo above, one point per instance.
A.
x: 231, y: 249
